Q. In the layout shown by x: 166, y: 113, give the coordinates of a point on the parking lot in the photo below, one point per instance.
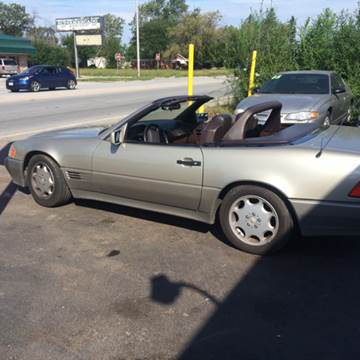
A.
x: 91, y: 280
x: 96, y: 281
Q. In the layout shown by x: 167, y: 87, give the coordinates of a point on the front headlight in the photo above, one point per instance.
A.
x: 12, y: 152
x: 24, y: 78
x: 305, y: 116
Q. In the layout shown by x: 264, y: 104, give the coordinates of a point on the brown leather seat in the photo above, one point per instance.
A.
x: 215, y: 129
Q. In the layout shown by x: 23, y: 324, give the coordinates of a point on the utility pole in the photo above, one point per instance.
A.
x: 76, y: 57
x: 137, y: 38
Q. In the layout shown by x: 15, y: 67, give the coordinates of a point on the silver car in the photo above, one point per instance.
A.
x: 305, y: 96
x: 8, y: 67
x: 262, y: 182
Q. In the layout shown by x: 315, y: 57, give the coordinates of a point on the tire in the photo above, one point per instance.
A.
x: 46, y: 182
x: 327, y: 120
x: 71, y: 84
x: 35, y: 86
x: 259, y: 211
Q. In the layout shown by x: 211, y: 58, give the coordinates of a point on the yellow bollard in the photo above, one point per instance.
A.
x: 191, y: 71
x: 252, y: 73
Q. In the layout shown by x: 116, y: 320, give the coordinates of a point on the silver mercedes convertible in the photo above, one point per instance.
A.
x: 263, y: 182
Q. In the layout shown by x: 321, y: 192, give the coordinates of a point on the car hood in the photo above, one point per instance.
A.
x: 79, y: 132
x: 344, y: 139
x: 291, y: 103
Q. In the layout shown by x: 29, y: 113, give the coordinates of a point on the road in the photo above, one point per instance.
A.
x: 24, y: 113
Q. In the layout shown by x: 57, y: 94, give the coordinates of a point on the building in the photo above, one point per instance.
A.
x: 17, y: 48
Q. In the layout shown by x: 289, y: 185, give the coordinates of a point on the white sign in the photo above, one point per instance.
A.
x: 80, y: 23
x: 88, y: 40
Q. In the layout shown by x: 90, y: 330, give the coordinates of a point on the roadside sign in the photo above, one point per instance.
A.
x: 80, y: 23
x: 89, y: 40
x: 118, y: 56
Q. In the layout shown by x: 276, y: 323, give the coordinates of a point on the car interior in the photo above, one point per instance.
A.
x: 178, y: 123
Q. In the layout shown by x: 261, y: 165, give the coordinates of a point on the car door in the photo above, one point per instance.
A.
x: 338, y: 99
x: 49, y: 77
x: 155, y: 173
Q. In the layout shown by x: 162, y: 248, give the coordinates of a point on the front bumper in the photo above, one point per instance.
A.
x: 17, y: 85
x: 15, y: 169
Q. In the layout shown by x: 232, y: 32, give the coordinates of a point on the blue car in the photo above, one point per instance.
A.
x: 42, y: 76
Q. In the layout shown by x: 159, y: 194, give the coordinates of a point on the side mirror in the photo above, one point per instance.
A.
x: 338, y: 91
x: 115, y: 137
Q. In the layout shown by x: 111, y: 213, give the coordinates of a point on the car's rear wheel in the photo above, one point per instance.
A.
x: 46, y: 182
x: 71, y: 84
x: 35, y: 86
x: 255, y: 219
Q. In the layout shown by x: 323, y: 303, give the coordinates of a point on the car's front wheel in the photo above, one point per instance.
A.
x: 46, y: 182
x: 71, y: 84
x: 255, y: 219
x: 35, y: 86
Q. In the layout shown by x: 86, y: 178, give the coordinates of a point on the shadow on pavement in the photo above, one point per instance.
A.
x: 6, y: 196
x: 215, y: 230
x: 300, y: 304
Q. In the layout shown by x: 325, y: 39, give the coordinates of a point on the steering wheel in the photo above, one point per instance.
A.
x: 155, y: 134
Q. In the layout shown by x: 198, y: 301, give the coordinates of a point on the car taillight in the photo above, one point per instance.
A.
x: 355, y: 192
x: 12, y: 152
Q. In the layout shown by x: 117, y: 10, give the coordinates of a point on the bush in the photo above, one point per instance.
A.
x: 48, y: 54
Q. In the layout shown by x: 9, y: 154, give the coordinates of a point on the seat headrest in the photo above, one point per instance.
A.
x: 216, y: 128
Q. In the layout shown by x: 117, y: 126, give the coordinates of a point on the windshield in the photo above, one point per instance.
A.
x: 32, y: 70
x: 10, y: 62
x: 316, y: 84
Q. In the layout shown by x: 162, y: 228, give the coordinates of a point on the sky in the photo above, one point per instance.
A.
x: 233, y: 11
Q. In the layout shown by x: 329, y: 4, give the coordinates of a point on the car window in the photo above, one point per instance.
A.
x: 297, y: 84
x: 10, y: 62
x: 340, y: 82
x: 48, y: 71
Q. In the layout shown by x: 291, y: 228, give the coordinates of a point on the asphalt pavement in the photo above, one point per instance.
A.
x: 24, y: 113
x: 95, y: 281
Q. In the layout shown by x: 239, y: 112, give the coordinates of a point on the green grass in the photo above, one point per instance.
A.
x: 131, y: 74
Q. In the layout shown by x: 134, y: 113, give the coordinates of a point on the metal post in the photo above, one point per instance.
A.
x: 137, y: 39
x: 191, y: 70
x: 76, y: 57
x: 252, y: 73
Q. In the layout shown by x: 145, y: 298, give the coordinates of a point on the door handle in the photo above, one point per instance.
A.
x: 188, y: 162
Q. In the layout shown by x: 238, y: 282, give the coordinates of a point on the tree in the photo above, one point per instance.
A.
x: 156, y: 18
x: 84, y: 52
x: 203, y: 31
x: 49, y: 54
x: 114, y: 28
x: 14, y: 20
x: 42, y: 33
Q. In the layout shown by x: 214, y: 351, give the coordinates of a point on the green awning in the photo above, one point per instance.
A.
x: 15, y: 45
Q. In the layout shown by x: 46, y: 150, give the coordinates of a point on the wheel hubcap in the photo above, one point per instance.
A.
x: 42, y: 180
x: 253, y: 220
x: 71, y: 84
x: 36, y: 86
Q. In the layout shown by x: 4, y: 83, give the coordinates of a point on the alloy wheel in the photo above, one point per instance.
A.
x: 42, y: 180
x: 253, y: 220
